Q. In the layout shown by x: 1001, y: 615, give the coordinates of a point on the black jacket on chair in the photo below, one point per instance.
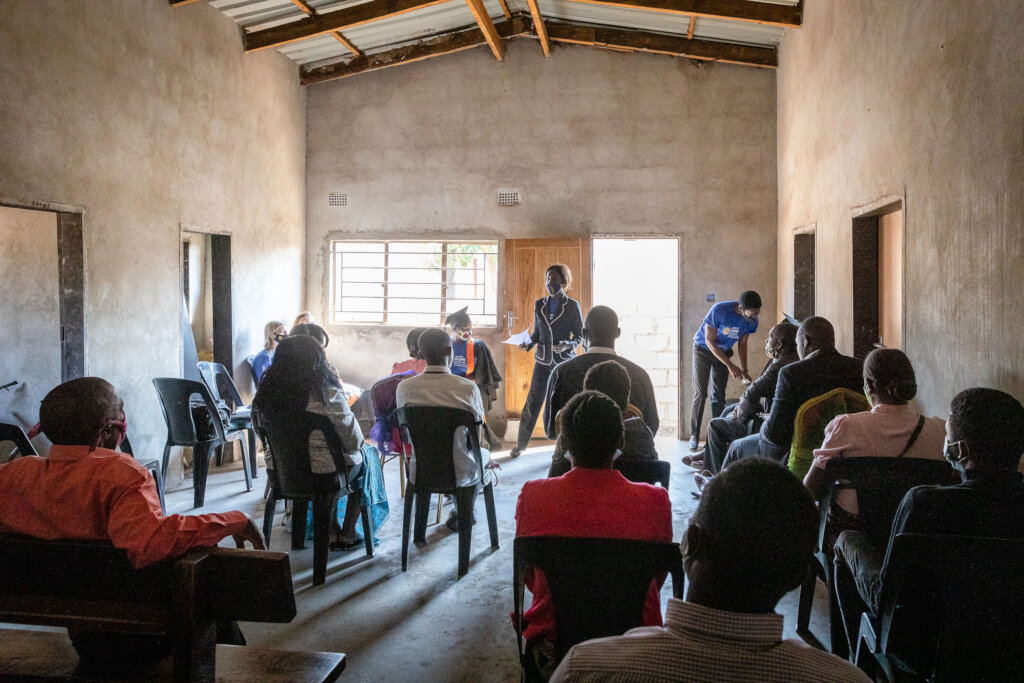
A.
x: 819, y: 373
x: 565, y: 326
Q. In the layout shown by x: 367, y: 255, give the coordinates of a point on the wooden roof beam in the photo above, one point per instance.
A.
x: 693, y: 25
x: 306, y: 9
x: 771, y: 14
x: 330, y: 22
x: 181, y: 3
x: 658, y: 43
x: 538, y: 23
x: 483, y: 20
x: 443, y: 44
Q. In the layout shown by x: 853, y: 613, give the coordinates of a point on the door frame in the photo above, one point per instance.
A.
x: 71, y: 281
x: 223, y: 306
x: 864, y: 255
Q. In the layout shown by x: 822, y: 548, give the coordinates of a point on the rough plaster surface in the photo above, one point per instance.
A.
x: 880, y: 100
x: 152, y: 118
x: 597, y: 143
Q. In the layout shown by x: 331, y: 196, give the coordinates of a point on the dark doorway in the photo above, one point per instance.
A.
x: 878, y: 279
x: 803, y: 274
x: 207, y: 330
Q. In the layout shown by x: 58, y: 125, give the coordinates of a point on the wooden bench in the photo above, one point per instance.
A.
x: 91, y: 585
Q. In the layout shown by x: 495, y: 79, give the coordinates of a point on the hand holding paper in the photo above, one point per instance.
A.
x: 519, y: 339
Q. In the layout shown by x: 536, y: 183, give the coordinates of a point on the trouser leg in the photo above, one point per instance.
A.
x: 699, y: 378
x: 534, y: 404
x: 856, y: 568
x: 741, y: 449
x: 719, y: 380
x: 722, y: 432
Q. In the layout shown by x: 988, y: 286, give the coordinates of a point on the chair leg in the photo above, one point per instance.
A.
x: 200, y: 471
x: 836, y: 625
x: 220, y: 455
x: 492, y: 518
x: 324, y: 509
x: 419, y: 531
x: 464, y: 501
x: 803, y: 615
x: 300, y: 510
x: 440, y: 506
x: 401, y: 473
x: 268, y: 516
x: 254, y: 468
x: 364, y: 512
x: 245, y: 466
x: 406, y: 523
x: 164, y: 464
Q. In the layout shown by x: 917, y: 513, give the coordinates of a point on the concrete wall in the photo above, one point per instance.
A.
x: 880, y: 100
x: 152, y: 118
x: 597, y: 142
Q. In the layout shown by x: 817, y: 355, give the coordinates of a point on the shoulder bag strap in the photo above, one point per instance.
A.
x: 913, y: 437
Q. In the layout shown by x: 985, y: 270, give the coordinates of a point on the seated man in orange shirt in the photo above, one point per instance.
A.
x: 87, y: 490
x: 591, y: 500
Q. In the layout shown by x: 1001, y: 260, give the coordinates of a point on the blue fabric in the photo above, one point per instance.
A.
x: 459, y: 362
x: 260, y: 362
x: 731, y: 326
x: 374, y: 495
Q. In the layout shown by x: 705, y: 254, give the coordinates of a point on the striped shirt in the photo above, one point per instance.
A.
x: 703, y: 644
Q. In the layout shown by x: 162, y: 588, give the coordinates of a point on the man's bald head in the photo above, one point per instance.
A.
x: 74, y: 412
x: 435, y: 347
x: 601, y: 327
x: 815, y: 333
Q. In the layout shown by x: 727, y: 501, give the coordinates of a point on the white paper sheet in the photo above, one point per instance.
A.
x: 517, y: 339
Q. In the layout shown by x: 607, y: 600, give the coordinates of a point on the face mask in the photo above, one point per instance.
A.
x: 554, y: 288
x: 279, y: 338
x: 868, y: 396
x: 464, y: 335
x: 122, y: 429
x: 953, y: 453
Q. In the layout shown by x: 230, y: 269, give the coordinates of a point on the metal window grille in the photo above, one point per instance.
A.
x: 412, y: 283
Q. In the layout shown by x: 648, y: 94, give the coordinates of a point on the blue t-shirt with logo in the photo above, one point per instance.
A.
x: 731, y: 326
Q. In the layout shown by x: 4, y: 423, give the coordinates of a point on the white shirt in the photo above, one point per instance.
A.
x: 437, y: 386
x: 602, y: 349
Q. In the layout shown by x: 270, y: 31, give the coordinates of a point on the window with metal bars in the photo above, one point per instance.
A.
x: 407, y: 283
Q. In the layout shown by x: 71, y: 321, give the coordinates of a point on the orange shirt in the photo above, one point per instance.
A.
x: 103, y: 495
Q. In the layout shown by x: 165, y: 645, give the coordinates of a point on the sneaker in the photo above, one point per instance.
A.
x: 516, y: 452
x: 694, y: 442
x: 453, y: 520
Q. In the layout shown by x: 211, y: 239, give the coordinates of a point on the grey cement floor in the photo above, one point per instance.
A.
x: 424, y: 625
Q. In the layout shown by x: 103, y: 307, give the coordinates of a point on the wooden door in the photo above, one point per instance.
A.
x: 525, y: 264
x: 890, y: 279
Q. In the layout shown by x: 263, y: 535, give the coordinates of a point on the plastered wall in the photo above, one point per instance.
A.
x: 597, y: 142
x: 152, y: 119
x: 920, y: 101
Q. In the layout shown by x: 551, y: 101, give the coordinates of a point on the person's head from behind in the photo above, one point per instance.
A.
x: 436, y: 347
x: 889, y: 377
x: 300, y: 368
x: 751, y: 539
x: 985, y: 430
x: 412, y: 341
x: 311, y: 330
x: 601, y: 327
x: 558, y: 278
x: 304, y: 318
x: 273, y: 333
x: 462, y: 325
x: 612, y: 380
x: 83, y: 412
x: 750, y: 304
x: 815, y: 333
x: 781, y: 340
x: 591, y: 431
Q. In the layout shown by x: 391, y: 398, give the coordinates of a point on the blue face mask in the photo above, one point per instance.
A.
x: 953, y: 453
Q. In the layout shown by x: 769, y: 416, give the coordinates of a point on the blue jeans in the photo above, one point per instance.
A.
x: 754, y: 446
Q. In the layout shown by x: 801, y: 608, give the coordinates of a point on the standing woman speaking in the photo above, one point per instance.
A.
x: 557, y: 331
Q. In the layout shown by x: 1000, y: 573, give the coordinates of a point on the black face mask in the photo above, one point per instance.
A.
x: 554, y: 288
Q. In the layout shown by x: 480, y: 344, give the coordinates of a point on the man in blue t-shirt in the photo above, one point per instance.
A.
x: 727, y: 324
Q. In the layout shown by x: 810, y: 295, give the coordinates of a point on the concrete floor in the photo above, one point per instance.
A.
x: 424, y: 625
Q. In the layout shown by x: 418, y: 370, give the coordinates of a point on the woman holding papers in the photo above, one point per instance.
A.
x: 557, y: 331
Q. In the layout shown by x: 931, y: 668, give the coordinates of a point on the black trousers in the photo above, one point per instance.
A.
x: 705, y: 367
x: 534, y: 403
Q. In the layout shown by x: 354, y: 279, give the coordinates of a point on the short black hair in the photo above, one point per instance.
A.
x: 74, y: 412
x: 891, y: 372
x: 433, y: 343
x: 786, y: 333
x: 611, y: 379
x: 761, y: 525
x: 311, y: 330
x: 601, y: 323
x: 820, y: 330
x: 992, y: 424
x: 592, y: 427
x: 412, y: 340
x: 750, y: 299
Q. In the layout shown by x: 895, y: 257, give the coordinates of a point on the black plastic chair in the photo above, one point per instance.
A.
x: 218, y: 380
x: 951, y: 608
x: 430, y: 430
x: 646, y: 471
x: 292, y: 479
x: 252, y: 370
x: 152, y: 465
x: 176, y: 404
x: 598, y: 585
x: 17, y: 436
x: 881, y: 484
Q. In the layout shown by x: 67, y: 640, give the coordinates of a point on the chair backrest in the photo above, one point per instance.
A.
x: 252, y: 370
x: 16, y: 435
x: 383, y: 393
x: 218, y: 380
x: 952, y: 607
x: 646, y: 471
x: 287, y: 438
x: 811, y: 420
x: 598, y: 585
x: 175, y: 403
x: 431, y: 432
x: 881, y: 484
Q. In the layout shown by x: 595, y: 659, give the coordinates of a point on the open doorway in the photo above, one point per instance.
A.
x: 878, y: 279
x: 803, y: 273
x: 207, y: 329
x: 639, y: 278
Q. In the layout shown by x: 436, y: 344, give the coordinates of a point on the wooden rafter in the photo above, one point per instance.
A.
x: 181, y: 3
x: 737, y: 10
x: 344, y: 41
x: 538, y: 22
x: 677, y: 46
x: 693, y: 25
x: 504, y: 9
x: 442, y: 44
x: 302, y: 5
x: 483, y: 20
x: 330, y: 22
